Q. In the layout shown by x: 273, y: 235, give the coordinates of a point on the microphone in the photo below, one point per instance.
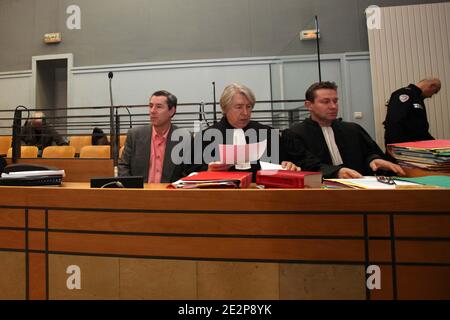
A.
x: 214, y: 105
x: 113, y: 130
x: 116, y: 144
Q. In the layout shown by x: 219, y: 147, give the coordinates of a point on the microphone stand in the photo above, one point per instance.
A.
x: 318, y: 48
x: 116, y: 144
x: 214, y: 105
x: 112, y: 127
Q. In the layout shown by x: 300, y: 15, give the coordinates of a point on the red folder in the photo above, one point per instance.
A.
x: 289, y: 179
x: 426, y: 144
x: 215, y: 179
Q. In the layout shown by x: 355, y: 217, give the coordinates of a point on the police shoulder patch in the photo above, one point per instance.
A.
x: 404, y: 97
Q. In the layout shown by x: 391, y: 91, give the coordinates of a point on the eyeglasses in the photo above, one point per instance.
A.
x: 385, y: 180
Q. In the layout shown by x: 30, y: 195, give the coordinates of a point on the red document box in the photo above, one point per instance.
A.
x: 289, y: 179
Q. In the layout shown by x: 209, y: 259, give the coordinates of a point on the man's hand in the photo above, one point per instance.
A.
x: 347, y: 173
x: 386, y: 165
x: 290, y: 166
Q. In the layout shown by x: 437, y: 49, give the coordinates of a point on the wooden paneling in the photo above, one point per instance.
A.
x: 158, y: 279
x: 99, y: 277
x: 37, y: 276
x: 258, y: 228
x: 423, y: 251
x: 237, y: 224
x: 378, y: 225
x: 205, y: 247
x: 344, y: 201
x: 330, y: 282
x: 422, y: 226
x: 36, y: 240
x: 238, y: 280
x: 36, y: 219
x: 12, y: 239
x: 12, y: 275
x: 423, y: 282
x: 14, y: 218
x: 386, y: 292
x: 380, y: 250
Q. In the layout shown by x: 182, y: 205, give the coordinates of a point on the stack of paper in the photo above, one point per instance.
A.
x: 38, y: 173
x: 372, y: 183
x: 32, y: 178
x: 430, y: 154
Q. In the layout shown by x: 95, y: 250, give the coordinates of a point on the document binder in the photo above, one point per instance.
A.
x: 288, y: 179
x: 32, y: 181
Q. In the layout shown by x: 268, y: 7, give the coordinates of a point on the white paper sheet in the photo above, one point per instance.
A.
x: 270, y: 166
x: 246, y: 153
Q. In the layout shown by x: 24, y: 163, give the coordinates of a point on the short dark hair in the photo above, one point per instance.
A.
x: 310, y: 94
x: 171, y: 99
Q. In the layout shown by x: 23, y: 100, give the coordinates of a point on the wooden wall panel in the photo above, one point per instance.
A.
x: 10, y: 239
x: 422, y: 226
x: 238, y: 280
x: 205, y: 247
x: 423, y: 251
x: 158, y: 279
x: 231, y: 224
x: 12, y: 218
x: 308, y: 282
x: 423, y: 282
x: 99, y: 277
x: 12, y: 275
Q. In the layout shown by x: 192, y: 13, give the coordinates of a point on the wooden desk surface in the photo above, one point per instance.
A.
x: 157, y: 197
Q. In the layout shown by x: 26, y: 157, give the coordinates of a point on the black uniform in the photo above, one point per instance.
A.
x: 355, y: 145
x: 406, y: 118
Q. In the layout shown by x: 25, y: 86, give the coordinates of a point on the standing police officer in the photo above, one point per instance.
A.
x: 406, y: 118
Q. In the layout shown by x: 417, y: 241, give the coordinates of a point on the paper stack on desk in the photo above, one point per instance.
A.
x: 431, y: 154
x: 372, y: 183
x: 32, y: 178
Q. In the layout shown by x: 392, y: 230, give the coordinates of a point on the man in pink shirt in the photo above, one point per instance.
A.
x: 148, y: 149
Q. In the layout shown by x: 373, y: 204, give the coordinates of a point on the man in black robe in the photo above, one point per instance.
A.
x: 344, y: 149
x: 236, y: 128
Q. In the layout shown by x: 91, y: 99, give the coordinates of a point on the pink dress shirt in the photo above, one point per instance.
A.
x: 157, y: 149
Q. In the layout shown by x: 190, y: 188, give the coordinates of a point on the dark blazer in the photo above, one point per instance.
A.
x: 136, y: 155
x: 355, y: 146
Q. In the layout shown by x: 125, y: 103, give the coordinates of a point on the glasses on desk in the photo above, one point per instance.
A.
x: 385, y: 180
